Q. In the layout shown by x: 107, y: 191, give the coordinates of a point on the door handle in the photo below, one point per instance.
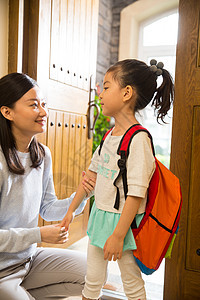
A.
x: 91, y: 119
x: 91, y: 106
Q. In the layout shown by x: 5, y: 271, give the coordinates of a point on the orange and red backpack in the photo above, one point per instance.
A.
x: 155, y: 235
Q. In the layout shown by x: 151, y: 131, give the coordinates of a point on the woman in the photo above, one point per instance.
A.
x: 27, y: 190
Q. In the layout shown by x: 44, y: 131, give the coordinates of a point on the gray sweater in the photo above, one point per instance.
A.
x: 22, y: 199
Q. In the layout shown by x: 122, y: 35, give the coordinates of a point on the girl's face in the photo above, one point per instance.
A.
x: 29, y: 114
x: 111, y: 96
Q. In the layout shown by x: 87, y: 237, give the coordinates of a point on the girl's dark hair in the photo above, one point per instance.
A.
x: 139, y: 75
x: 12, y: 87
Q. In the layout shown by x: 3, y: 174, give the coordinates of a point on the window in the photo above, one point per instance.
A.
x: 157, y: 39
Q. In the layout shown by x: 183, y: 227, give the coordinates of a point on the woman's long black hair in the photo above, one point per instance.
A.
x: 12, y: 87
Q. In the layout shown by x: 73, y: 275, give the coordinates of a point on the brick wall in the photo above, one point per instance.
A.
x: 104, y: 38
x: 108, y: 34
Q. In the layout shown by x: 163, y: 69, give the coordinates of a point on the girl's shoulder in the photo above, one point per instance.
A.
x: 141, y: 137
x: 141, y: 142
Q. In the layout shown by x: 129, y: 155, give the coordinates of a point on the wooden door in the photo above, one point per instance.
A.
x: 63, y: 60
x: 182, y: 275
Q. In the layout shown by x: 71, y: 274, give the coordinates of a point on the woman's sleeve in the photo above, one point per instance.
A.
x: 51, y: 208
x: 18, y: 239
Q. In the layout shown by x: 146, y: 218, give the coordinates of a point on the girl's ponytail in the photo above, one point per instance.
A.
x: 164, y: 96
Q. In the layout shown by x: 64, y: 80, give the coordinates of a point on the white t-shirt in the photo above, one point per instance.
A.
x: 140, y: 168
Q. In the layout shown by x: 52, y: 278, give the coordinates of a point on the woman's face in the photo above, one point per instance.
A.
x: 29, y: 114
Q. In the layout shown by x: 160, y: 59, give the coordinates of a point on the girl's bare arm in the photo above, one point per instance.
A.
x: 80, y: 194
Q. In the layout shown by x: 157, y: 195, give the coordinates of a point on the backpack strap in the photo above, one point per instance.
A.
x: 103, y: 139
x: 123, y: 151
x: 128, y: 136
x: 122, y: 172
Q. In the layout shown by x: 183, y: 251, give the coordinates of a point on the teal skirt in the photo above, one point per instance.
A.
x: 102, y: 224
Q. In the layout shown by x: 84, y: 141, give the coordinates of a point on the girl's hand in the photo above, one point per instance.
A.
x: 88, y: 183
x: 113, y: 248
x: 67, y: 220
x: 54, y: 234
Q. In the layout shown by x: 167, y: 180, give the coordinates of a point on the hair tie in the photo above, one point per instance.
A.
x: 156, y: 67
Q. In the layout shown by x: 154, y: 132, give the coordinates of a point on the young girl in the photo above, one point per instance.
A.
x: 129, y: 86
x: 26, y: 189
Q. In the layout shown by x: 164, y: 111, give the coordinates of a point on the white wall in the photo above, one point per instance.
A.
x: 130, y: 19
x: 3, y: 37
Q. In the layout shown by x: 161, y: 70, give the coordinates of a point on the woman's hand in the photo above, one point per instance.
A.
x: 113, y: 248
x: 88, y: 183
x: 54, y: 234
x: 67, y: 220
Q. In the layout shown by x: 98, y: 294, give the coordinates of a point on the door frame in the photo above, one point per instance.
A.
x: 181, y: 282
